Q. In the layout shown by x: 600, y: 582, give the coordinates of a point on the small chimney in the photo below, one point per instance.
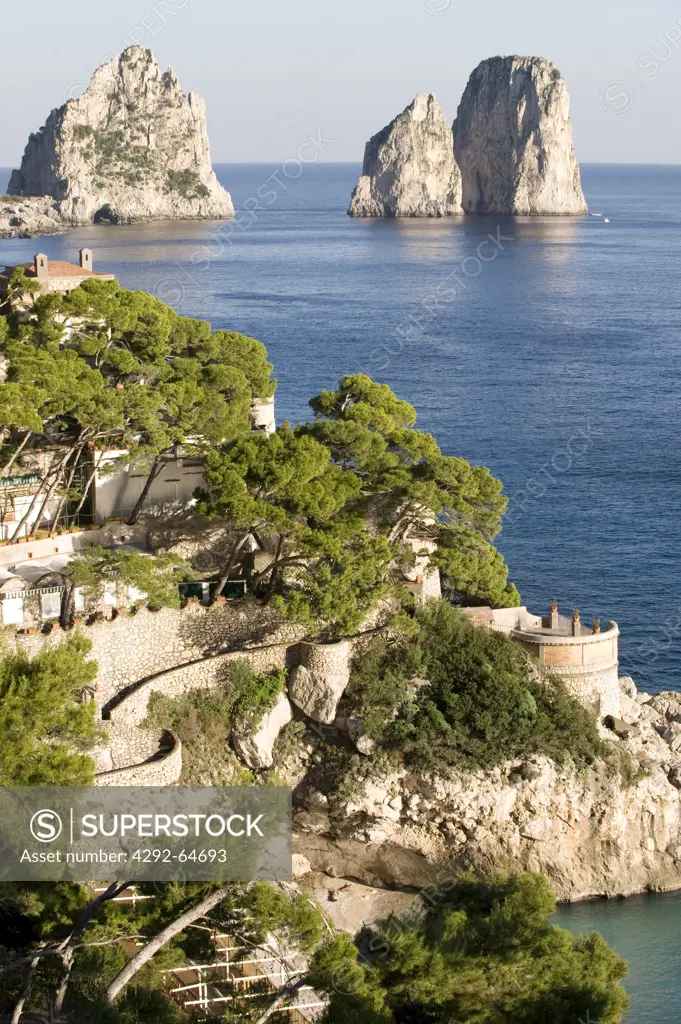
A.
x: 86, y: 259
x: 41, y: 265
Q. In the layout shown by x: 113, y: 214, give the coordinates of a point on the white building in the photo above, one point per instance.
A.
x: 117, y: 489
x: 117, y: 485
x: 16, y: 498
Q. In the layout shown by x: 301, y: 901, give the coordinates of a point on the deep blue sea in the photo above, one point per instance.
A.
x: 555, y: 363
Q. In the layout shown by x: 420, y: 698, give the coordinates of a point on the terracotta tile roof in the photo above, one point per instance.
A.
x: 56, y: 268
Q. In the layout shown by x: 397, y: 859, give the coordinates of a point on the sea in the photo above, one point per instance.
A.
x: 547, y: 349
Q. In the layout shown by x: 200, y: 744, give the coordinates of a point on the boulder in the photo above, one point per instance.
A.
x: 409, y: 168
x: 668, y: 705
x: 628, y: 686
x: 132, y: 148
x: 649, y: 714
x: 254, y: 744
x: 620, y: 727
x: 300, y: 865
x: 364, y: 744
x: 317, y: 684
x: 513, y: 141
x: 629, y: 708
x: 672, y: 736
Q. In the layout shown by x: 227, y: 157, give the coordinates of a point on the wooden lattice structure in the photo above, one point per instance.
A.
x: 236, y: 974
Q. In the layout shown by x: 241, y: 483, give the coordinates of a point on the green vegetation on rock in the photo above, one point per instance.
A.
x: 348, y: 499
x: 410, y: 488
x: 20, y: 287
x: 187, y: 183
x: 81, y: 131
x: 478, y: 951
x: 84, y: 946
x: 441, y: 694
x: 203, y: 721
x: 134, y: 375
x: 345, y: 500
x: 157, y: 576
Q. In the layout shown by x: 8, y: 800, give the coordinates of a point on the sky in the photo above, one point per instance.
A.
x: 275, y: 72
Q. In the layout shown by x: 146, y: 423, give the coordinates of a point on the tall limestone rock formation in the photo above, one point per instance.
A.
x: 513, y: 140
x: 409, y: 167
x: 132, y: 148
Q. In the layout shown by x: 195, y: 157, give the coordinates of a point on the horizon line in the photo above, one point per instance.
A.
x: 330, y: 163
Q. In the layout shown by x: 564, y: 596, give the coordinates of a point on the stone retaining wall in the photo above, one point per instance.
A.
x: 326, y: 659
x: 164, y: 772
x: 199, y: 675
x: 132, y: 648
x: 597, y: 687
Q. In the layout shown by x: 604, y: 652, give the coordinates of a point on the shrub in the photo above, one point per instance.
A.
x: 203, y: 719
x: 482, y: 705
x: 45, y: 727
x: 298, y: 919
x: 187, y: 183
x: 252, y: 695
x: 202, y: 713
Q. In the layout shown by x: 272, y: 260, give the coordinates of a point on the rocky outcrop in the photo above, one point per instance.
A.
x: 317, y: 684
x: 592, y: 832
x: 513, y: 140
x: 132, y: 148
x: 409, y: 167
x: 254, y: 745
x: 26, y: 218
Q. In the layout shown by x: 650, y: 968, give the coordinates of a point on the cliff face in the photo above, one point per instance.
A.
x: 513, y: 140
x: 592, y: 832
x: 409, y: 167
x: 133, y: 147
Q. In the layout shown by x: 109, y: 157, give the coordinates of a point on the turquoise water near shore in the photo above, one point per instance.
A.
x: 557, y: 364
x: 646, y: 931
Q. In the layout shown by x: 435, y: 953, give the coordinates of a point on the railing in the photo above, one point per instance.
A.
x: 19, y: 481
x: 32, y: 593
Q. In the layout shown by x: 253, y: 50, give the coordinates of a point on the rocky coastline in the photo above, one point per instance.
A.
x: 30, y: 217
x: 595, y: 832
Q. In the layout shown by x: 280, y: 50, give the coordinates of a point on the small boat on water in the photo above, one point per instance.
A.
x: 607, y: 220
x: 596, y: 214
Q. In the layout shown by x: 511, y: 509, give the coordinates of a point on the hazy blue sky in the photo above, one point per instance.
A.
x: 274, y: 72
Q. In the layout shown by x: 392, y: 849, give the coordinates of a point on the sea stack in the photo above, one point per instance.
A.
x: 409, y: 167
x: 132, y: 148
x: 513, y: 141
